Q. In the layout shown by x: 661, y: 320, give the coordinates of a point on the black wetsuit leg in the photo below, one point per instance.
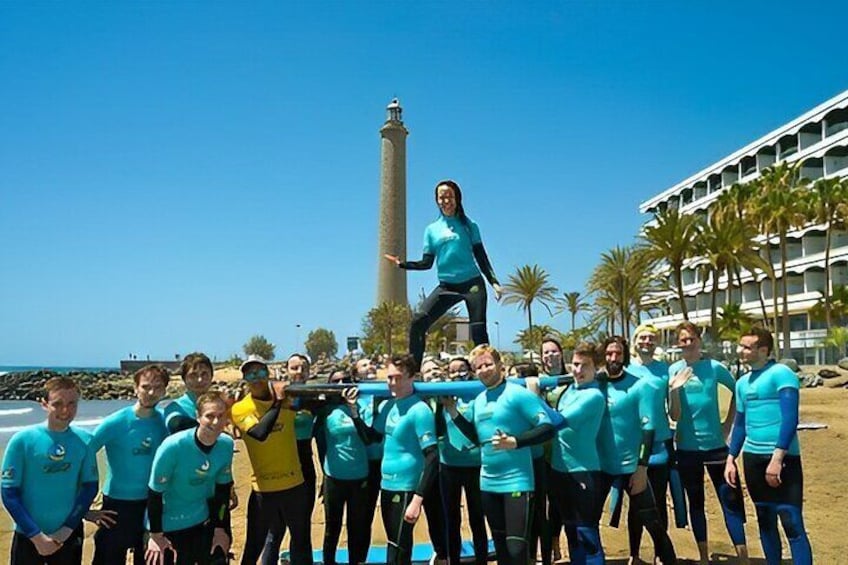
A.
x: 540, y: 533
x: 374, y: 478
x: 338, y: 495
x: 23, y: 551
x: 509, y: 516
x: 658, y: 478
x: 435, y: 512
x: 111, y: 544
x: 454, y: 481
x: 443, y: 297
x: 398, y: 531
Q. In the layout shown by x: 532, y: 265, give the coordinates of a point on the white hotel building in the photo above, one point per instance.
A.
x: 819, y: 140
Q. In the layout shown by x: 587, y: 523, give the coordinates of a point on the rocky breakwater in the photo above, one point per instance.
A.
x: 93, y: 386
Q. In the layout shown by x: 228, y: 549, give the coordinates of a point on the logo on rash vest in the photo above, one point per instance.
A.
x: 56, y: 454
x: 8, y: 474
x: 201, y: 473
x: 426, y: 436
x: 145, y: 448
x: 203, y: 470
x: 446, y: 235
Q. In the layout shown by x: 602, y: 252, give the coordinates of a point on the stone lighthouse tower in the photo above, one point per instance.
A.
x: 391, y: 281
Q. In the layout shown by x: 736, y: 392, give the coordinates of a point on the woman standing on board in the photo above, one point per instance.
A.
x: 453, y: 242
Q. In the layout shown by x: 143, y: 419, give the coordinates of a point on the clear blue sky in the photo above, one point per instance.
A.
x: 179, y: 176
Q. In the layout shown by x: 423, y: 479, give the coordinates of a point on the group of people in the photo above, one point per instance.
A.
x: 531, y: 461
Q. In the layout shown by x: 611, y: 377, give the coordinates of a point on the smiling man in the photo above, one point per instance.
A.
x: 765, y: 428
x: 411, y: 460
x: 130, y: 437
x: 49, y: 479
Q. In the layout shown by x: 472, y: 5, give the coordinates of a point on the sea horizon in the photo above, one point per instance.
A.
x: 55, y: 369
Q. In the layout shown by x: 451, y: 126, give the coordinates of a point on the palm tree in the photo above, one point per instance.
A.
x: 733, y: 205
x: 527, y: 285
x: 828, y: 200
x: 837, y: 338
x: 838, y: 307
x: 531, y: 338
x: 618, y: 284
x: 781, y: 207
x: 733, y: 321
x: 386, y: 328
x: 670, y: 241
x: 572, y: 303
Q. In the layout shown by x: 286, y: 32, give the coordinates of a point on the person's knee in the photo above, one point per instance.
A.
x: 790, y: 517
x: 420, y: 321
x: 589, y: 539
x: 517, y: 548
x: 731, y: 498
x: 766, y: 516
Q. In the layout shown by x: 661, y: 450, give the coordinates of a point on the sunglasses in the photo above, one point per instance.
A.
x: 256, y: 375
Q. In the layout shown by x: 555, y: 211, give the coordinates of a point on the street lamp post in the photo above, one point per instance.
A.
x: 297, y: 337
x: 498, y: 326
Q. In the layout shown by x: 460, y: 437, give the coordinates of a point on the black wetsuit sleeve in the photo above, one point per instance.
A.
x: 265, y: 426
x: 219, y: 513
x: 320, y: 434
x: 424, y: 264
x: 467, y: 428
x: 535, y: 436
x: 367, y: 434
x: 430, y: 471
x: 484, y: 263
x: 179, y: 423
x: 645, y: 447
x: 155, y: 507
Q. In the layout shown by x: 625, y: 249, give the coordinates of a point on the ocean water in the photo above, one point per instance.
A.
x: 27, y: 368
x: 17, y: 414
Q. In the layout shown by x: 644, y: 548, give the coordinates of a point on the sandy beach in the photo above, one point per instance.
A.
x: 823, y: 452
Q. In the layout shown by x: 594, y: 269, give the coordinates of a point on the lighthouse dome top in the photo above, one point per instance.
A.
x: 394, y: 111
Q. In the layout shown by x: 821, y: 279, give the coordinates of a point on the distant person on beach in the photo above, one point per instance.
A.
x: 188, y: 501
x: 411, y: 458
x: 701, y: 438
x: 765, y: 428
x: 130, y: 437
x: 196, y: 371
x: 505, y: 420
x: 49, y: 479
x: 453, y: 242
x: 278, y: 496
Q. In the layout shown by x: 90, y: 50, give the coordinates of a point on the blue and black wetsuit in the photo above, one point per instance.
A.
x: 455, y: 246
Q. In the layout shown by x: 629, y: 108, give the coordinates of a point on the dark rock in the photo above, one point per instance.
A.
x: 829, y: 374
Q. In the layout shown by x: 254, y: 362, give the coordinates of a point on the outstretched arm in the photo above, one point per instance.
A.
x: 421, y: 265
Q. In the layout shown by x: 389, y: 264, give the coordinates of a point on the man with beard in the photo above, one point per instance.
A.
x: 625, y: 441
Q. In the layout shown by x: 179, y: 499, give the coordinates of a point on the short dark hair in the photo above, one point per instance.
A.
x: 462, y: 360
x: 764, y: 337
x: 406, y: 363
x: 210, y: 396
x: 689, y: 327
x: 59, y: 383
x: 193, y: 361
x: 602, y: 351
x: 587, y: 349
x: 156, y: 372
